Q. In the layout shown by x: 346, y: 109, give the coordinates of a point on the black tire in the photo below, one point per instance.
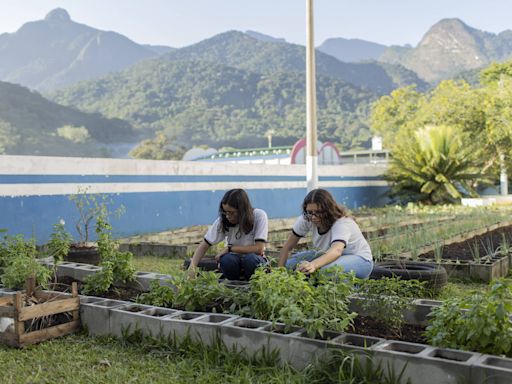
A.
x: 435, y: 275
x: 206, y: 264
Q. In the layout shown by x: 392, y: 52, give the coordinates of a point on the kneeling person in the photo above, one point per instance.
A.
x: 244, y: 229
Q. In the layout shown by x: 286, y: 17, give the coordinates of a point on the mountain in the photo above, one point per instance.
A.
x: 352, y: 50
x: 200, y: 102
x: 449, y: 47
x: 158, y: 49
x: 263, y: 37
x: 56, y: 51
x: 239, y: 50
x: 33, y: 125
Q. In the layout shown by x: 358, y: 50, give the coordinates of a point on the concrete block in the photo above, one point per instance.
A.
x: 181, y: 325
x: 95, y: 315
x: 130, y: 317
x: 491, y: 370
x: 423, y: 364
x: 66, y: 268
x: 245, y: 335
x: 145, y: 279
x: 207, y: 328
x: 81, y: 272
x: 305, y: 349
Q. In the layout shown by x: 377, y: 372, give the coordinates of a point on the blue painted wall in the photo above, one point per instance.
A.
x: 34, y: 194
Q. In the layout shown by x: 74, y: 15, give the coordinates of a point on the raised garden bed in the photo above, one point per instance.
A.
x: 481, y: 257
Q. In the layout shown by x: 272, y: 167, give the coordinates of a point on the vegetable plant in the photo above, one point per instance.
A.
x: 317, y: 303
x: 478, y: 322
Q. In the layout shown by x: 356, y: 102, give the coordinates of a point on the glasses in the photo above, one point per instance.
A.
x: 310, y: 214
x: 229, y: 213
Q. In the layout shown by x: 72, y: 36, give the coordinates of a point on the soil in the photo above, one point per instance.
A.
x: 369, y: 327
x: 466, y: 249
x: 126, y: 294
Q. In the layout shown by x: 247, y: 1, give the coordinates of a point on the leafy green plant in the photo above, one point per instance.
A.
x: 386, y: 299
x: 115, y: 265
x: 479, y: 322
x: 58, y: 246
x: 317, y: 303
x: 202, y: 293
x: 18, y: 262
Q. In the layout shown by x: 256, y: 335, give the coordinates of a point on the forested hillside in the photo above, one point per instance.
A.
x: 239, y: 50
x: 200, y: 102
x: 33, y: 125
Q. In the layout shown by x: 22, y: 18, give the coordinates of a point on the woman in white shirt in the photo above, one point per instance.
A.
x: 244, y: 229
x: 336, y: 237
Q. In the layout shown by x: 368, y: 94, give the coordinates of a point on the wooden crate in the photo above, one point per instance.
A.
x: 49, y: 304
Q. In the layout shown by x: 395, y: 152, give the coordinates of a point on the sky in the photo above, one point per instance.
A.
x: 178, y: 23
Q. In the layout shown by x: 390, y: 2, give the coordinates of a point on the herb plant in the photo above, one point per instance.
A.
x: 479, y: 322
x: 203, y: 292
x: 317, y: 303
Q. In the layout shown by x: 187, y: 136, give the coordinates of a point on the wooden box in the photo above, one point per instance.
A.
x: 38, y: 315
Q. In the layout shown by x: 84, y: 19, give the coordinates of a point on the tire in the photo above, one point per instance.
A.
x: 434, y: 275
x: 206, y: 264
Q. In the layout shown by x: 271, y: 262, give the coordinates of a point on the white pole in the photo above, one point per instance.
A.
x: 311, y: 137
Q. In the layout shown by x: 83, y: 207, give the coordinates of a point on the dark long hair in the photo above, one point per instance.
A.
x: 331, y: 210
x: 238, y: 199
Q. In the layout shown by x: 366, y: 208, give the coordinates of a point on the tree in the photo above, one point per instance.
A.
x: 395, y: 112
x: 74, y: 134
x: 497, y: 107
x: 437, y: 164
x: 159, y: 148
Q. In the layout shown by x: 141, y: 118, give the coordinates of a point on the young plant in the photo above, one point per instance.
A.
x: 438, y: 251
x: 202, y: 293
x: 479, y: 322
x: 18, y: 262
x: 317, y: 303
x: 115, y: 265
x: 91, y: 208
x: 58, y: 246
x: 385, y: 300
x: 474, y: 248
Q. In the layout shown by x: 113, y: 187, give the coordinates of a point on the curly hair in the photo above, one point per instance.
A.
x: 331, y: 210
x: 238, y: 199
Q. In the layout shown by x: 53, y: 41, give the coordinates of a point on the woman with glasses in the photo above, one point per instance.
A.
x: 244, y: 229
x: 336, y: 237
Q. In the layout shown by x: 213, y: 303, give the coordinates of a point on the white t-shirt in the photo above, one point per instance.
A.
x: 344, y: 229
x: 235, y: 236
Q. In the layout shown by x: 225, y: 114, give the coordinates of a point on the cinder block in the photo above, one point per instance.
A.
x: 423, y: 364
x: 491, y: 370
x: 246, y: 335
x: 130, y: 317
x: 95, y: 315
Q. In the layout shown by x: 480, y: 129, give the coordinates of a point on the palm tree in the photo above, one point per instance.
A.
x: 437, y: 164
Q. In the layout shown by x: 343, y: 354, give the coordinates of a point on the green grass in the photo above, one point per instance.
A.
x: 81, y: 359
x: 158, y: 264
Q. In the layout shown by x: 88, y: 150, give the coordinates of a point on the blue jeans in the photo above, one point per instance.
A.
x: 232, y: 264
x: 359, y: 265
